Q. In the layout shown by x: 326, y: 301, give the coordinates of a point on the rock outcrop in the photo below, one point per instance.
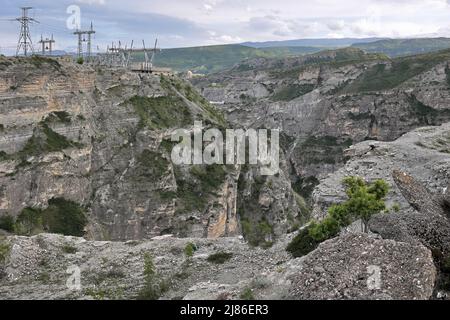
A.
x: 325, y: 102
x: 428, y: 225
x: 421, y: 152
x: 357, y: 266
x: 101, y: 138
x: 47, y: 266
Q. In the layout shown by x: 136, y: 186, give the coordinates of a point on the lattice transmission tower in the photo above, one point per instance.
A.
x: 25, y: 43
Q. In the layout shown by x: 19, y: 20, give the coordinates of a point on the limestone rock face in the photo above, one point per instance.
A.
x: 428, y: 225
x: 357, y: 266
x: 416, y: 152
x: 318, y: 103
x: 112, y: 152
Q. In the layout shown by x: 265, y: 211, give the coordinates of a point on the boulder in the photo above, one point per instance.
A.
x: 360, y: 266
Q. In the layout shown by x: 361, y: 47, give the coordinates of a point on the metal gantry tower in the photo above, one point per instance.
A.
x: 81, y: 38
x: 47, y: 45
x: 25, y: 42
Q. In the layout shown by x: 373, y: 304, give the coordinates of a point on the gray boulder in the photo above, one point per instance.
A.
x: 359, y: 266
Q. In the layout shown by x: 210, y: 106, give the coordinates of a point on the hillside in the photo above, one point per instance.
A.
x: 319, y: 43
x: 404, y: 47
x: 86, y: 151
x: 327, y: 101
x: 210, y: 59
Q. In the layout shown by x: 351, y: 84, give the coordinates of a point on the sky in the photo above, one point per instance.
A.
x: 183, y: 23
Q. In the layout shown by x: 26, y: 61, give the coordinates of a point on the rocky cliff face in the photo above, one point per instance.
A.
x: 101, y: 138
x: 325, y: 102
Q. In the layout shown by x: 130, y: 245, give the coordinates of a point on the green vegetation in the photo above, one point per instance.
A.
x: 80, y: 60
x: 364, y: 201
x: 305, y: 186
x: 154, y: 285
x: 161, y: 112
x: 210, y: 59
x: 396, y: 207
x: 45, y: 140
x: 61, y: 216
x: 302, y: 244
x: 333, y: 58
x: 257, y: 234
x: 5, y: 249
x: 421, y: 109
x: 69, y: 249
x: 58, y: 116
x: 29, y: 222
x: 292, y: 92
x: 322, y: 150
x: 247, y: 294
x: 210, y: 113
x: 190, y: 249
x: 219, y: 257
x: 153, y: 164
x: 385, y: 76
x: 39, y: 61
x: 445, y: 264
x: 44, y: 277
x: 405, y: 47
x: 193, y: 189
x: 7, y: 223
x: 64, y: 217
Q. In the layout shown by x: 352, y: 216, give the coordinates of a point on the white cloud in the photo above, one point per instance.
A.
x: 91, y: 2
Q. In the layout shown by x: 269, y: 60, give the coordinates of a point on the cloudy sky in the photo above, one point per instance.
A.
x: 180, y: 23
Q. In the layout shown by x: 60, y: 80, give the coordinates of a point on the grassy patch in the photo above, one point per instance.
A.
x: 193, y: 189
x: 247, y: 294
x: 161, y: 112
x: 153, y: 165
x: 188, y: 91
x: 69, y: 249
x: 45, y: 140
x: 39, y: 61
x: 219, y: 257
x: 384, y: 77
x: 58, y: 116
x: 5, y: 249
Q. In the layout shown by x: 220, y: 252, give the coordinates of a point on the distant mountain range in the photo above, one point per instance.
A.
x: 405, y: 47
x: 323, y: 43
x: 210, y: 59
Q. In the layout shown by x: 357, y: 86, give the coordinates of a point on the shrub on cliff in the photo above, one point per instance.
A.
x: 61, y: 216
x: 364, y: 201
x: 7, y: 223
x: 154, y: 286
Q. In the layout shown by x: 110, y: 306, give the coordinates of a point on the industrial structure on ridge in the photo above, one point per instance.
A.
x: 116, y: 56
